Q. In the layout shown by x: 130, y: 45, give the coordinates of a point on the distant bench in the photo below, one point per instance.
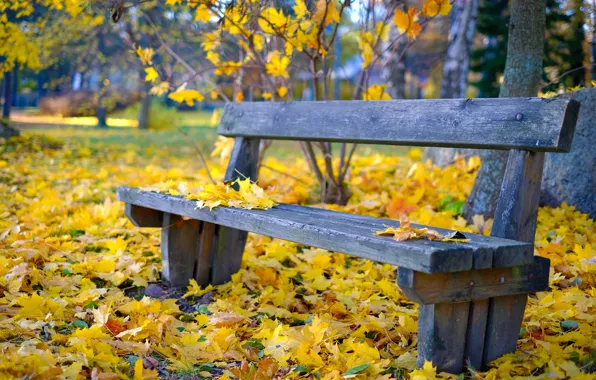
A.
x: 472, y: 295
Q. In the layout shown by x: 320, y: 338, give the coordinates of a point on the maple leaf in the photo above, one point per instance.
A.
x: 183, y: 95
x: 152, y: 75
x: 433, y: 8
x: 406, y: 22
x: 146, y: 55
x: 427, y: 372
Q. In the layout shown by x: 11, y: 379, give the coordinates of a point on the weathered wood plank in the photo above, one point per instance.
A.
x: 179, y: 244
x: 207, y: 241
x: 515, y: 218
x: 474, y: 284
x: 142, y: 216
x: 524, y: 123
x: 505, y: 316
x: 243, y: 160
x: 226, y: 260
x: 476, y: 333
x: 484, y: 247
x: 442, y: 335
x: 517, y: 207
x: 359, y: 240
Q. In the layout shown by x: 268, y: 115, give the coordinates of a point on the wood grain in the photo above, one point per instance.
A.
x: 142, y: 216
x: 179, y: 245
x: 474, y: 284
x: 523, y: 123
x: 515, y: 218
x: 356, y: 239
x: 442, y: 335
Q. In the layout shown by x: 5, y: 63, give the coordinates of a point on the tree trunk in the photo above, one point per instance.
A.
x: 456, y: 67
x: 593, y: 67
x: 521, y: 79
x: 7, y: 95
x: 144, y: 111
x: 394, y: 72
x: 571, y: 177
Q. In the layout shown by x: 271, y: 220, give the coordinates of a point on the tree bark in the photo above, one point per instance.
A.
x: 394, y: 72
x: 455, y: 69
x: 7, y: 95
x: 522, y: 78
x: 571, y: 177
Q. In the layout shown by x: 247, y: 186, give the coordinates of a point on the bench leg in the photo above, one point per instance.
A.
x: 207, y: 252
x: 442, y: 335
x: 179, y: 247
x: 505, y: 317
x: 469, y: 318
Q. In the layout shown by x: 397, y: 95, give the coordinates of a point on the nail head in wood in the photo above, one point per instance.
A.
x: 519, y: 117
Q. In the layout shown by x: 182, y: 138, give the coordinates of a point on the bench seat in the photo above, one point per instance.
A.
x: 342, y: 232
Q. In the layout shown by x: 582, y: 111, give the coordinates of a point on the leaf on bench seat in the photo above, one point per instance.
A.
x: 405, y: 231
x: 248, y: 196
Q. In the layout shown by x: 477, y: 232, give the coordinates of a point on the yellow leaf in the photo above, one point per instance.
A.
x: 146, y: 55
x: 282, y: 91
x: 203, y: 13
x: 152, y: 75
x: 187, y: 96
x: 434, y: 8
x: 277, y: 64
x: 376, y: 92
x: 406, y: 22
x: 427, y: 372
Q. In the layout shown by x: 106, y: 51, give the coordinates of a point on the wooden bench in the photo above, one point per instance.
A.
x: 472, y: 295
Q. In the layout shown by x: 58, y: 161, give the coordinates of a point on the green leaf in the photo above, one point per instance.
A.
x: 203, y: 309
x: 302, y: 369
x: 355, y: 370
x: 569, y: 324
x: 90, y: 305
x: 254, y: 343
x: 80, y: 324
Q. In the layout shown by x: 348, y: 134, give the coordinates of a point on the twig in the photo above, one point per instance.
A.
x: 284, y: 173
x: 201, y: 155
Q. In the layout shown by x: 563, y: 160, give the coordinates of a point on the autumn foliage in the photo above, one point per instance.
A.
x: 80, y: 294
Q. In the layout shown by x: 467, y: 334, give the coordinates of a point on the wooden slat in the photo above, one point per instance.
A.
x: 142, y: 216
x: 207, y: 241
x: 515, y: 218
x: 227, y: 256
x: 243, y: 160
x: 525, y: 123
x: 357, y: 239
x: 484, y: 247
x: 179, y: 245
x: 442, y: 335
x: 475, y: 334
x: 474, y: 284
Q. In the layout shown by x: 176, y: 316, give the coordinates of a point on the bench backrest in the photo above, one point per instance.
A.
x: 535, y: 124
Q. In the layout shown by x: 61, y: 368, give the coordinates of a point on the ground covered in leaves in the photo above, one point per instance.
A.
x: 80, y: 295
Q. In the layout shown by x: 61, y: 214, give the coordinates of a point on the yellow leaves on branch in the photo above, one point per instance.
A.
x: 277, y: 64
x: 406, y: 22
x: 376, y: 92
x: 272, y: 20
x: 146, y: 55
x: 182, y: 95
x: 433, y: 8
x: 152, y: 75
x: 405, y: 231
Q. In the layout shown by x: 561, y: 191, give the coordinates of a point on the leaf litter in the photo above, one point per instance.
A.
x: 74, y: 271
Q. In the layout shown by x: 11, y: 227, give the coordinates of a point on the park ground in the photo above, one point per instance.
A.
x: 81, y: 297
